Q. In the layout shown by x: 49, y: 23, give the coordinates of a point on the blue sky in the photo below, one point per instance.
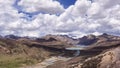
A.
x: 67, y: 3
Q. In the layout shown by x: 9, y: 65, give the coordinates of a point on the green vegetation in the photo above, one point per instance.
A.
x: 21, y: 56
x: 8, y: 61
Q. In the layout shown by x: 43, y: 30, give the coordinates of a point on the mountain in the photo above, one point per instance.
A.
x: 63, y: 38
x: 98, y: 52
x: 87, y: 40
x: 16, y: 51
x: 12, y: 37
x: 92, y: 39
x: 103, y: 52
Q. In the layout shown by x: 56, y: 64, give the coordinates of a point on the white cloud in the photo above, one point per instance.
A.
x: 80, y: 8
x: 44, y: 6
x: 80, y: 19
x: 97, y: 17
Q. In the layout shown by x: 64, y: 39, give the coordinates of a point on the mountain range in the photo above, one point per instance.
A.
x: 100, y: 51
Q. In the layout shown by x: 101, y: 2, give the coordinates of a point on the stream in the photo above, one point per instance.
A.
x: 48, y: 62
x: 53, y: 59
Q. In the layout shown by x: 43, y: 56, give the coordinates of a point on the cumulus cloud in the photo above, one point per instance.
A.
x: 97, y: 17
x: 44, y: 6
x: 84, y: 17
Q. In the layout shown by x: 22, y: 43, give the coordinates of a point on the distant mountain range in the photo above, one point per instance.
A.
x: 102, y: 53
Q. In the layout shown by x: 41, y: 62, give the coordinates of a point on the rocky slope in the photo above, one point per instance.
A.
x: 25, y: 50
x: 108, y: 59
x: 103, y: 51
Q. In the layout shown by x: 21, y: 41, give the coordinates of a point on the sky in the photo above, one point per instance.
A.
x: 66, y: 3
x: 38, y: 18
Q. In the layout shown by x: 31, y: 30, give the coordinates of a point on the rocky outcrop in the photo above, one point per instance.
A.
x: 108, y: 59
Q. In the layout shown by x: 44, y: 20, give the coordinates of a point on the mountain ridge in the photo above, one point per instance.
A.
x: 37, y: 50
